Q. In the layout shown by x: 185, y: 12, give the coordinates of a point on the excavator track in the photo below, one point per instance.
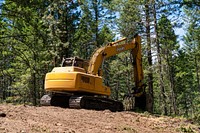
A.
x: 58, y: 99
x: 76, y: 102
x: 81, y: 102
x: 96, y: 103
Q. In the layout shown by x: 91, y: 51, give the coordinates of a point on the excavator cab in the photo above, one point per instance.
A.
x: 67, y: 62
x: 74, y: 62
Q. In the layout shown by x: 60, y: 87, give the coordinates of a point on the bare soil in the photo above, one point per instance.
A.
x: 29, y: 119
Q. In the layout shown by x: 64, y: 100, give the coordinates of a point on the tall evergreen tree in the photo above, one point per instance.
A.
x: 192, y: 53
x: 168, y: 46
x: 150, y: 100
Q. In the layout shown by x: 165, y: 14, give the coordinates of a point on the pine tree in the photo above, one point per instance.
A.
x: 192, y: 50
x: 168, y: 46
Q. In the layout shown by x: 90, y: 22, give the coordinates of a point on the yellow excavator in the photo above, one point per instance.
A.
x: 78, y: 83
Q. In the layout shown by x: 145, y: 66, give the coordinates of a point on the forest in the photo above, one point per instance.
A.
x: 35, y: 35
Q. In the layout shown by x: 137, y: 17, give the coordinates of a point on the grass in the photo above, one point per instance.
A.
x: 187, y: 129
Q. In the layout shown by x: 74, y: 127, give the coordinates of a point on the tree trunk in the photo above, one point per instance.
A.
x: 96, y: 11
x: 197, y: 72
x: 33, y: 77
x: 150, y: 74
x: 172, y: 86
x: 117, y: 89
x: 34, y: 89
x: 171, y: 79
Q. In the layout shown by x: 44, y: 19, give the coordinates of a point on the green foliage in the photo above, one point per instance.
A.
x: 130, y: 20
x: 168, y: 50
x: 25, y: 51
x: 83, y: 39
x: 92, y: 31
x: 187, y: 129
x: 121, y: 75
x: 61, y: 19
x: 105, y: 35
x: 190, y: 94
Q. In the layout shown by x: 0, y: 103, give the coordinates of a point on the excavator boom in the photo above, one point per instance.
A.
x: 109, y: 50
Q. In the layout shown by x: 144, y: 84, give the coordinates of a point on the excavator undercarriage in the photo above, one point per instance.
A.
x: 81, y: 102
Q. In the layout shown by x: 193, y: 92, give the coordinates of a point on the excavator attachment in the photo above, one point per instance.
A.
x: 132, y: 102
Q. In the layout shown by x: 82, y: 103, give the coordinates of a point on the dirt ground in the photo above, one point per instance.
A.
x: 29, y: 119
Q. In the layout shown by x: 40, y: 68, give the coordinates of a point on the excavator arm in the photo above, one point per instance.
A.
x: 115, y: 48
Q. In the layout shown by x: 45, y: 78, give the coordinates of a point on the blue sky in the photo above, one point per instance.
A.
x: 1, y: 2
x: 180, y: 32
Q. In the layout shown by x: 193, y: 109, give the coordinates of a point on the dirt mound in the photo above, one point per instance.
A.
x: 29, y: 119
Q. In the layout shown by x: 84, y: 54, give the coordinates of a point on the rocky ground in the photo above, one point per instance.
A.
x: 29, y: 119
